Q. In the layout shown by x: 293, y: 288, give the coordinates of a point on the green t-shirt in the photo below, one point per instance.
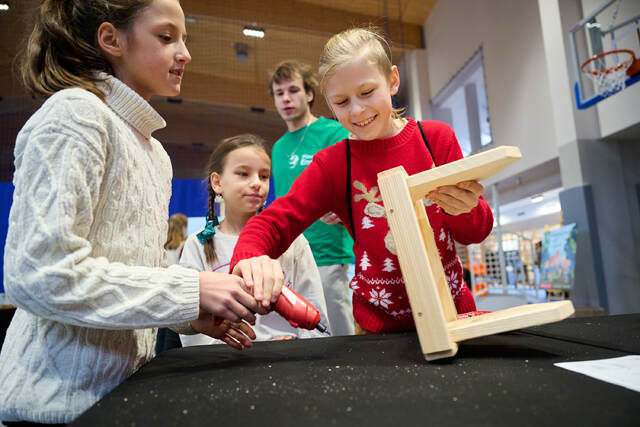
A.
x: 291, y: 154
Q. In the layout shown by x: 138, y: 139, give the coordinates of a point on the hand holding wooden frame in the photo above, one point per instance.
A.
x: 431, y: 304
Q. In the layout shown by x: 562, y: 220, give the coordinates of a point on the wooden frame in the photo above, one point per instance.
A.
x: 432, y: 307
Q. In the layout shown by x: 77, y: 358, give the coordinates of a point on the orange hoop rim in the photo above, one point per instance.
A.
x: 610, y: 69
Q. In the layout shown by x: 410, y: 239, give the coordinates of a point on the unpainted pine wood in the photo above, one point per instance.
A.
x: 509, y: 319
x: 477, y: 167
x: 416, y: 270
x: 420, y: 263
x: 439, y: 278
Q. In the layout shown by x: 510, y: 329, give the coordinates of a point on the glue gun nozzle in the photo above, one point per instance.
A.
x: 322, y: 328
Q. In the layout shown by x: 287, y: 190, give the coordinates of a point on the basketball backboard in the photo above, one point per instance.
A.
x: 605, y: 47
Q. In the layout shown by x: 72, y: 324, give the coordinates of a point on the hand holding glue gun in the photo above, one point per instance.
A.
x: 264, y: 275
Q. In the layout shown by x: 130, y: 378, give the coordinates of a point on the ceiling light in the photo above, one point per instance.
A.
x: 537, y: 198
x: 4, y: 5
x: 253, y: 32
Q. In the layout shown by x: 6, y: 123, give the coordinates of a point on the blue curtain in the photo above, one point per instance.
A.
x: 189, y: 197
x: 6, y: 198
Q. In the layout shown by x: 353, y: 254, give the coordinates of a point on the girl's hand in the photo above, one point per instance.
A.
x: 264, y: 275
x: 457, y: 199
x: 226, y: 296
x: 330, y: 219
x: 235, y: 334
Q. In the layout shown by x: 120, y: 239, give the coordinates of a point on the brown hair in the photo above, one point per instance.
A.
x: 62, y: 50
x: 175, y: 236
x: 216, y: 164
x: 286, y: 70
x: 353, y: 44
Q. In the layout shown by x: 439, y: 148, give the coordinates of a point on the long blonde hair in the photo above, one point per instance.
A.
x: 177, y: 223
x: 353, y: 44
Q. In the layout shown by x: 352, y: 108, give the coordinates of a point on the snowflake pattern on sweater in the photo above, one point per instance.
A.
x: 384, y: 287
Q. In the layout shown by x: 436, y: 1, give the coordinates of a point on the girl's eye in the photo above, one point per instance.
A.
x: 343, y: 102
x: 368, y: 92
x: 165, y: 37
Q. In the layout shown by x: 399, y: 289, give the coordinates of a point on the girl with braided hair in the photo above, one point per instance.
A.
x: 238, y: 170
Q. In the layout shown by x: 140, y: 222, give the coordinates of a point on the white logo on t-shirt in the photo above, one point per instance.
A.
x: 293, y: 161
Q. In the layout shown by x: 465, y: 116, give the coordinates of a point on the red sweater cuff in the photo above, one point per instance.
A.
x: 464, y: 302
x: 239, y: 256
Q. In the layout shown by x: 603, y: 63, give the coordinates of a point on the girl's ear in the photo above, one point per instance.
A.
x: 215, y: 182
x: 109, y: 39
x: 394, y: 80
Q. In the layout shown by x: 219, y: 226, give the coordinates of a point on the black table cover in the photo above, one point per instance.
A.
x: 383, y: 380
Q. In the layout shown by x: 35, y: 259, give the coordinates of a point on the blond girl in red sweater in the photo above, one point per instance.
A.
x: 358, y: 81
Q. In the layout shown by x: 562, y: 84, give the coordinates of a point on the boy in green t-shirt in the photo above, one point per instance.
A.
x: 292, y: 86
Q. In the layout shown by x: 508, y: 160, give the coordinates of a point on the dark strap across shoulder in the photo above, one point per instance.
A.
x: 426, y: 142
x: 353, y: 229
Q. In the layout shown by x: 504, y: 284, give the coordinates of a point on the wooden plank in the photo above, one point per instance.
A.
x: 509, y: 319
x: 415, y: 265
x: 446, y: 301
x: 477, y: 167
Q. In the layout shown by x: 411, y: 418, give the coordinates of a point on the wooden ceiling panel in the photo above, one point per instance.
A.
x: 408, y: 11
x: 219, y: 90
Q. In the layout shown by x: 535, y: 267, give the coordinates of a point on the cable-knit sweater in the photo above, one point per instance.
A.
x: 84, y: 261
x: 380, y: 301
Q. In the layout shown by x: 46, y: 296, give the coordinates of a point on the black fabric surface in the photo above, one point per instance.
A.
x: 6, y: 314
x: 166, y: 340
x: 613, y: 332
x: 374, y: 380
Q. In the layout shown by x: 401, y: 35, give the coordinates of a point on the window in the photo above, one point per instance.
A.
x: 462, y: 104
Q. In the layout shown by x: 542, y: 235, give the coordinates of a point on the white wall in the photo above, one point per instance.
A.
x: 518, y: 91
x: 415, y: 83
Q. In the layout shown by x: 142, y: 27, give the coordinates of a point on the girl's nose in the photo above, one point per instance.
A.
x: 255, y: 181
x: 183, y: 55
x: 356, y: 108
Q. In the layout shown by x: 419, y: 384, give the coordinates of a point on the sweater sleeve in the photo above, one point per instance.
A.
x: 272, y: 232
x: 49, y: 269
x: 472, y: 227
x: 306, y: 281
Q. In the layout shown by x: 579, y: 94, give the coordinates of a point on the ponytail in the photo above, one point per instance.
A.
x: 63, y: 52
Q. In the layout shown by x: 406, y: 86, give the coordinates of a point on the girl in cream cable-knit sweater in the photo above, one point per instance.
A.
x: 84, y: 258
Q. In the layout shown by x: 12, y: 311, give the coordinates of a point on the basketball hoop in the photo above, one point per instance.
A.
x: 608, y: 73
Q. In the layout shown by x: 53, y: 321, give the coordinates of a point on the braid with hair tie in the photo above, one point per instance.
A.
x: 206, y: 235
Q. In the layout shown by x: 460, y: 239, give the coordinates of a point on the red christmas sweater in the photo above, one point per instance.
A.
x: 380, y: 302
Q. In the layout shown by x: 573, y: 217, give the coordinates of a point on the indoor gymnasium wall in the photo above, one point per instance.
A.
x: 510, y: 36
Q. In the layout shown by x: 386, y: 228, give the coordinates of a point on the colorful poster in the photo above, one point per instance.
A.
x: 558, y: 260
